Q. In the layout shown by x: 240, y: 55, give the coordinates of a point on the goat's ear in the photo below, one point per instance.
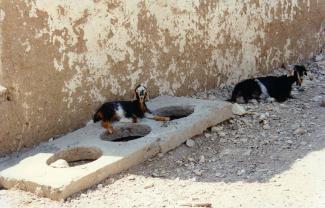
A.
x: 135, y: 95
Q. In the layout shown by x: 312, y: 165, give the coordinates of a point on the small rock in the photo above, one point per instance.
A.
x: 223, y: 140
x: 318, y: 98
x: 310, y: 76
x: 157, y: 174
x: 289, y: 142
x: 216, y: 129
x: 100, y: 186
x: 274, y: 137
x: 131, y: 178
x: 179, y: 162
x: 247, y: 152
x: 270, y: 100
x: 236, y: 151
x: 150, y: 185
x: 202, y: 159
x: 246, y: 122
x: 192, y: 179
x: 190, y: 159
x: 198, y: 172
x: 266, y: 126
x: 264, y: 116
x: 60, y: 164
x: 322, y: 104
x: 295, y: 126
x: 299, y: 131
x: 190, y: 143
x: 212, y: 97
x: 207, y: 135
x: 260, y: 170
x: 244, y: 140
x: 219, y: 175
x: 241, y: 172
x: 320, y: 57
x: 283, y: 105
x: 253, y: 101
x: 222, y: 134
x: 238, y: 109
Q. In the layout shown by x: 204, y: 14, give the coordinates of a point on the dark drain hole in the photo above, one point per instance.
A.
x: 175, y: 112
x: 125, y: 139
x: 76, y: 156
x: 127, y: 132
x: 79, y: 162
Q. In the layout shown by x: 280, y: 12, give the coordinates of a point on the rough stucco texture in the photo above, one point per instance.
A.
x: 60, y: 59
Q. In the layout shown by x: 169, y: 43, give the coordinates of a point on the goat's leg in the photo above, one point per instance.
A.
x: 161, y: 118
x: 291, y: 97
x: 156, y: 117
x: 134, y: 119
x: 107, y: 125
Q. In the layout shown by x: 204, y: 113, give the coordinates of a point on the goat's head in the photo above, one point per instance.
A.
x: 298, y: 71
x: 141, y: 93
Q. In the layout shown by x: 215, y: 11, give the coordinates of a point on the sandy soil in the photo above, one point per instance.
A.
x: 272, y: 157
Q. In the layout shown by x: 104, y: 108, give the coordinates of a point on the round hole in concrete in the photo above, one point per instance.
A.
x: 175, y: 112
x: 76, y: 156
x: 127, y: 132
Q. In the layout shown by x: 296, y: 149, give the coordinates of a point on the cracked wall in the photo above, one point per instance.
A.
x: 60, y: 59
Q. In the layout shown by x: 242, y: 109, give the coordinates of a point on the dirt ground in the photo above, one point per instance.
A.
x: 274, y: 156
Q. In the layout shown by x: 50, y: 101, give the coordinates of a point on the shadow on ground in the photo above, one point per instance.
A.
x: 252, y: 155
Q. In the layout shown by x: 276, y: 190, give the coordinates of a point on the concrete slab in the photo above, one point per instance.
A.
x: 35, y: 171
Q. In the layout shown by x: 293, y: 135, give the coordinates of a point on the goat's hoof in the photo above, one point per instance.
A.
x: 110, y: 131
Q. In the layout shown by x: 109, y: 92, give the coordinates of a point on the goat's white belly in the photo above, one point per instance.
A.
x: 121, y: 114
x: 265, y: 93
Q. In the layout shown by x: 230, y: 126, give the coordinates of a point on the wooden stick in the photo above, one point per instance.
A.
x: 206, y: 205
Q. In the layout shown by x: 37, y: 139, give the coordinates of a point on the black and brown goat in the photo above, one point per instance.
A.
x: 278, y: 88
x: 126, y: 111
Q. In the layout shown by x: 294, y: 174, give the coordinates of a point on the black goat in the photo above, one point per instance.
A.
x: 278, y: 88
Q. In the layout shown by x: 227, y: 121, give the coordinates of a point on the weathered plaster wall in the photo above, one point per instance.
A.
x: 60, y: 59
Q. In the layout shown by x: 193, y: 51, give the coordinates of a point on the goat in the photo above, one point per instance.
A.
x: 278, y: 88
x: 126, y: 111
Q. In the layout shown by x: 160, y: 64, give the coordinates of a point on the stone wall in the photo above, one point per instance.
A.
x: 60, y: 59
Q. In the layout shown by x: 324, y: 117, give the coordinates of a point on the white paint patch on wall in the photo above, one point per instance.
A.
x: 26, y: 44
x: 109, y: 32
x: 288, y: 52
x: 2, y: 17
